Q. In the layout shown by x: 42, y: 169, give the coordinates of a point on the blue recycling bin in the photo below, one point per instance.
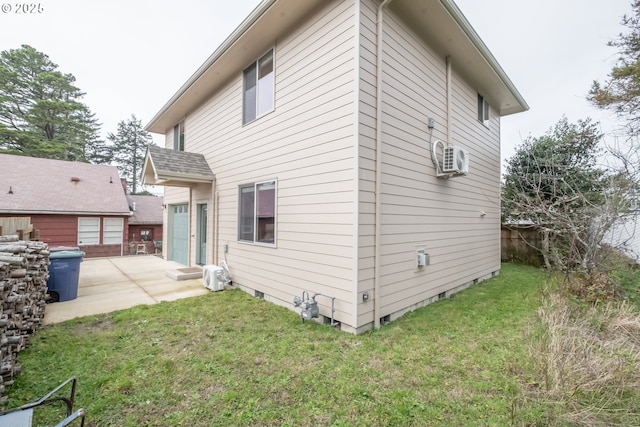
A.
x: 64, y: 274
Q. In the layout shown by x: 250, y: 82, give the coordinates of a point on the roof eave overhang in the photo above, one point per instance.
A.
x: 511, y: 101
x: 53, y: 212
x: 445, y: 27
x: 176, y: 181
x: 439, y: 21
x: 252, y: 38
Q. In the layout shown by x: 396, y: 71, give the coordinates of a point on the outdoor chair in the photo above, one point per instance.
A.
x: 23, y: 415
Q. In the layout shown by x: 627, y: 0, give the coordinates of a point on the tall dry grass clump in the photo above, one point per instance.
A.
x: 588, y: 361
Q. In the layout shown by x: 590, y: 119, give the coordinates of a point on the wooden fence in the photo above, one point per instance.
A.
x: 519, y: 243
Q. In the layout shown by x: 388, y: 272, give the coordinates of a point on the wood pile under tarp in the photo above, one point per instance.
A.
x: 24, y: 269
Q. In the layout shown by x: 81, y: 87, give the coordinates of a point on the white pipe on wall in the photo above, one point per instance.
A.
x: 378, y: 215
x: 449, y: 114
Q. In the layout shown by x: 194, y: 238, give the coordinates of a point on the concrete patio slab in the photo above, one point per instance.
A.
x: 109, y: 284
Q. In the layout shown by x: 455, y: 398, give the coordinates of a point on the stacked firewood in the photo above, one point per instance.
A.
x: 24, y: 267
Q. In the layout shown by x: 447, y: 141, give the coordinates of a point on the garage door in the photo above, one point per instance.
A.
x: 180, y: 233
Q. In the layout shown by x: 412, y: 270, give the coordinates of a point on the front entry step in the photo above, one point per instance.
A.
x: 185, y: 273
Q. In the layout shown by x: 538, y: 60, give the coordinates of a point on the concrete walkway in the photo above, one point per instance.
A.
x: 109, y: 284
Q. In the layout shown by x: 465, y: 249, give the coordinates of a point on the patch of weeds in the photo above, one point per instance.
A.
x: 587, y: 361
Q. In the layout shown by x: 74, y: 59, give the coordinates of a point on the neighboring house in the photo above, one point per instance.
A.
x: 70, y: 203
x: 145, y: 223
x: 625, y: 236
x: 306, y: 153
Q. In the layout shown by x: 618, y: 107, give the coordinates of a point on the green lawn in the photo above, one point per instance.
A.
x: 229, y: 359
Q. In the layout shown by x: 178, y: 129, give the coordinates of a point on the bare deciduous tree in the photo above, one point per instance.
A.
x: 555, y: 183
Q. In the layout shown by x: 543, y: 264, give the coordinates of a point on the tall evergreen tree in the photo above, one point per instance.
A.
x: 41, y: 113
x: 554, y: 169
x: 127, y: 150
x: 620, y: 93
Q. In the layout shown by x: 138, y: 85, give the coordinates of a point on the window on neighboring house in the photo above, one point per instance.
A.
x: 483, y: 110
x: 258, y: 96
x: 113, y: 230
x: 178, y: 137
x: 257, y: 212
x: 146, y: 234
x: 88, y: 231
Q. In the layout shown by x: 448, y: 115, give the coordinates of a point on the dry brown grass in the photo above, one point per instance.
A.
x: 588, y: 360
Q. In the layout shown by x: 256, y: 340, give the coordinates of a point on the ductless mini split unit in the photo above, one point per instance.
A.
x: 213, y: 277
x: 455, y: 160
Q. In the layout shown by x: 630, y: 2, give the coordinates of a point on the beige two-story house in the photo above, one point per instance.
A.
x: 349, y: 148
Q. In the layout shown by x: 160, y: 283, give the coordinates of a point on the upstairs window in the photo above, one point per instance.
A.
x: 257, y: 213
x: 258, y: 92
x: 178, y: 137
x: 483, y: 110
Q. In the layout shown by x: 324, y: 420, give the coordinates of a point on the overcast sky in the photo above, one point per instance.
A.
x: 132, y: 56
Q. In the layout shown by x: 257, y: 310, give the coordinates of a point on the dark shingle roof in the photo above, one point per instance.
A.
x: 163, y: 165
x: 145, y: 209
x: 179, y: 162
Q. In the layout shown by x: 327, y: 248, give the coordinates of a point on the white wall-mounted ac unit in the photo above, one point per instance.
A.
x: 213, y: 277
x: 455, y: 160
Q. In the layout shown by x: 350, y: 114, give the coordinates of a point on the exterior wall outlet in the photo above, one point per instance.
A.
x: 365, y: 296
x: 225, y: 248
x: 422, y: 258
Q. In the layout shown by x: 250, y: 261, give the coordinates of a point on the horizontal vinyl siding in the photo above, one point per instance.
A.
x: 307, y: 145
x: 418, y: 209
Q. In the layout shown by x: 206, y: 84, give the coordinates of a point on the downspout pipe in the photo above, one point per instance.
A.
x: 216, y: 211
x: 191, y: 210
x: 449, y: 94
x: 378, y: 215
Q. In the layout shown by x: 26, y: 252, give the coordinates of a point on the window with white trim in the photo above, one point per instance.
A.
x: 483, y: 110
x: 88, y: 231
x: 257, y: 212
x: 113, y: 231
x: 258, y: 88
x: 178, y: 137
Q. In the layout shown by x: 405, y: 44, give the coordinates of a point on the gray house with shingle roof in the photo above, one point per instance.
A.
x: 145, y: 223
x: 70, y: 203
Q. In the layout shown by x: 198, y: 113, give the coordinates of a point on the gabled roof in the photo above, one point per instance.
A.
x: 163, y: 166
x: 439, y: 22
x: 30, y: 185
x: 145, y: 209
